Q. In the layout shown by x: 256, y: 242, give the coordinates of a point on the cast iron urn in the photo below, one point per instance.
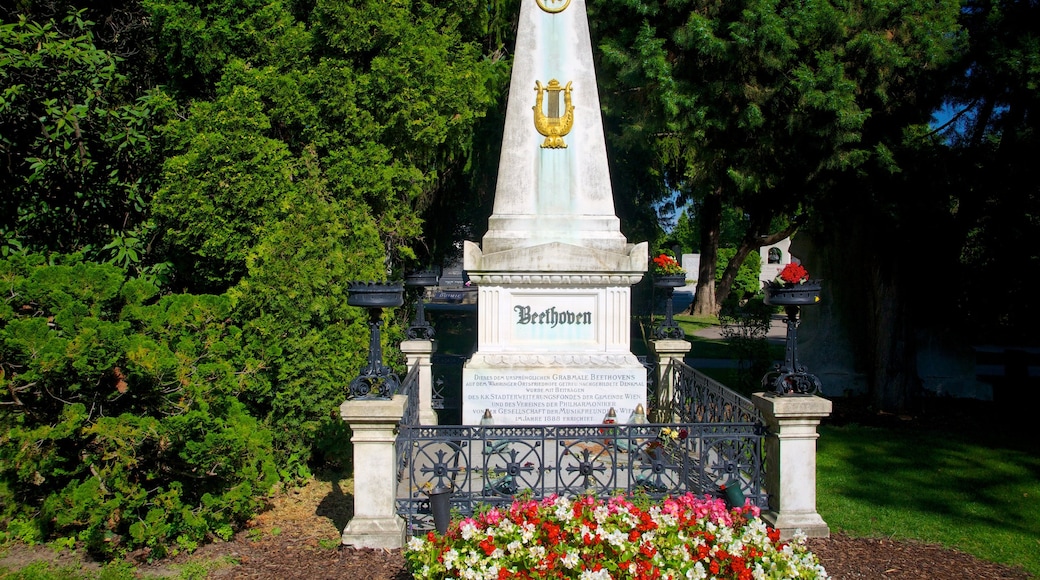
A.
x: 793, y: 294
x: 670, y: 280
x: 375, y: 294
x: 376, y: 381
x: 420, y: 328
x: 669, y: 328
x: 792, y: 378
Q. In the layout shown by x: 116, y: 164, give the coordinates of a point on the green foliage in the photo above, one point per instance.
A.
x: 762, y: 106
x: 77, y: 140
x: 366, y: 105
x: 121, y: 415
x: 746, y: 284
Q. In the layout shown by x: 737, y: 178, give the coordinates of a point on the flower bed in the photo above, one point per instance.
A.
x: 589, y: 539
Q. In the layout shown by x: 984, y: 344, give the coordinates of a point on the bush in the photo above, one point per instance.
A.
x: 120, y: 419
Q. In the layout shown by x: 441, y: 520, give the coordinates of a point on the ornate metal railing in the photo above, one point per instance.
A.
x: 698, y: 398
x: 492, y: 464
x: 409, y: 388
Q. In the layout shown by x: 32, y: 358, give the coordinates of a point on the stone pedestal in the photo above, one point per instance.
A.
x: 665, y: 351
x: 791, y: 461
x: 375, y: 523
x: 420, y: 352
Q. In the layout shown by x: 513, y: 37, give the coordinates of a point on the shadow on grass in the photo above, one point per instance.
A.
x: 932, y: 485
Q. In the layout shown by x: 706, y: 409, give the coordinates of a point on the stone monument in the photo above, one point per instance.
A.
x: 554, y: 271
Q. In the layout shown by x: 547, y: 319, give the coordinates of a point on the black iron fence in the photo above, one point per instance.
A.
x: 715, y: 447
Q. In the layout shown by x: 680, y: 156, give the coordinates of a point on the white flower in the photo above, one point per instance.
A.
x: 697, y: 572
x: 616, y: 538
x: 450, y: 557
x: 563, y: 510
x: 536, y: 552
x: 527, y: 530
x: 598, y: 575
x: 415, y: 543
x: 468, y: 529
x: 514, y: 546
x: 570, y: 560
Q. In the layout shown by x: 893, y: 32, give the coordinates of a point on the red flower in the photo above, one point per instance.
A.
x: 665, y: 264
x: 793, y: 274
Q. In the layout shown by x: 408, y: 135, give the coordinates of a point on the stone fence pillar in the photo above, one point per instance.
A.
x: 665, y: 351
x: 791, y: 461
x: 420, y: 352
x: 373, y: 422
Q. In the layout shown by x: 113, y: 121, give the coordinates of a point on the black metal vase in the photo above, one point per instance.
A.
x: 668, y: 329
x: 791, y: 378
x: 421, y: 329
x: 376, y: 381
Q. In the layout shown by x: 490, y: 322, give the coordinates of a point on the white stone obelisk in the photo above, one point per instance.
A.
x: 554, y: 270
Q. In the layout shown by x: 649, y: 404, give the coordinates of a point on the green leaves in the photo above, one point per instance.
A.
x: 76, y: 139
x: 109, y: 405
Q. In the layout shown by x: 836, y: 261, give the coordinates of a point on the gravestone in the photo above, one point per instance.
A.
x: 554, y: 271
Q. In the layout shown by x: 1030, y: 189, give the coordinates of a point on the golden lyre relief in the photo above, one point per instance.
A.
x: 551, y: 123
x: 553, y: 6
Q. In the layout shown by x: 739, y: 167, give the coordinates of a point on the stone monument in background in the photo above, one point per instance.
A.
x: 554, y: 271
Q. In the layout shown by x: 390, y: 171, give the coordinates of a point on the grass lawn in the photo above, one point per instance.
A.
x: 975, y: 493
x: 937, y: 487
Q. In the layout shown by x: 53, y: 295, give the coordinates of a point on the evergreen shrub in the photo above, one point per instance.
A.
x: 125, y: 416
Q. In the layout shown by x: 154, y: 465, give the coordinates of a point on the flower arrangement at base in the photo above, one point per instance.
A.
x: 665, y: 265
x: 587, y: 538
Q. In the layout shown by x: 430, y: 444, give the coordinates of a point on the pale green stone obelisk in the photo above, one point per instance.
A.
x: 554, y: 270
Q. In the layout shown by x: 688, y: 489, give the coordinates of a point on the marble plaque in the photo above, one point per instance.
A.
x: 551, y: 396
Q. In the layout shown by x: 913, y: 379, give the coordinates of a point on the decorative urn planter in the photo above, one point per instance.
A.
x: 376, y: 381
x: 420, y: 328
x: 793, y: 294
x: 670, y: 280
x: 668, y: 329
x: 792, y: 378
x: 421, y: 279
x: 375, y: 294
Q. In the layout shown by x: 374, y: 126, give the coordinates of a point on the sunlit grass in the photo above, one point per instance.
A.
x: 933, y: 487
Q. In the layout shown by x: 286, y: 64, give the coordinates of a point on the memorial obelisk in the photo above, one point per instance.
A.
x: 554, y: 271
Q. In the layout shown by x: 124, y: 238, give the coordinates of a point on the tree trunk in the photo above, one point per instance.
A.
x: 892, y: 367
x: 730, y: 274
x: 710, y: 217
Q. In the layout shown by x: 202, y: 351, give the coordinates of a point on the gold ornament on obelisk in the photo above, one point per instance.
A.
x: 551, y: 124
x: 553, y: 6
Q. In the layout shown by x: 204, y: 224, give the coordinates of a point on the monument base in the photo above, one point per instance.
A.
x: 519, y: 391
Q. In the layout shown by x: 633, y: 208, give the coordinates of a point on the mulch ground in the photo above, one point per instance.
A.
x: 298, y: 539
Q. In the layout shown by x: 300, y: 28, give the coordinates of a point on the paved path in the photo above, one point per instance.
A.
x: 777, y: 335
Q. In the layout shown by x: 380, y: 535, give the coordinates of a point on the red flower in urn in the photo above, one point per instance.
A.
x: 667, y: 265
x: 793, y: 274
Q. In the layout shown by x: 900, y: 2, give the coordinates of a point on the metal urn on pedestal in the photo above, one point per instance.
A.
x: 376, y: 380
x: 421, y: 329
x: 669, y: 329
x: 791, y: 377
